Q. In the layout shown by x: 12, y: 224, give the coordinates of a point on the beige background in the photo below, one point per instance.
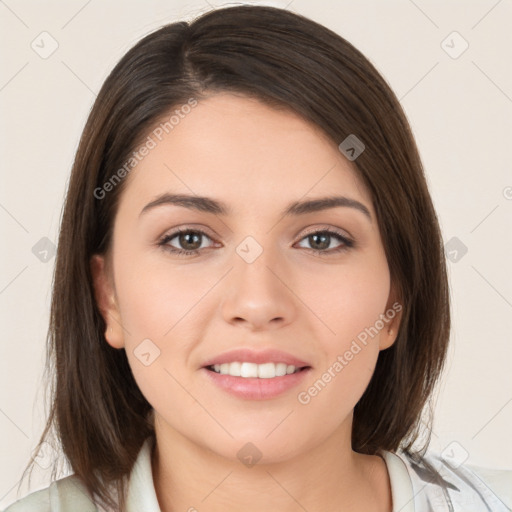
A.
x: 460, y: 110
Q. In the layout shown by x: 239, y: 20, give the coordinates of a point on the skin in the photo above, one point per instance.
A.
x: 257, y: 160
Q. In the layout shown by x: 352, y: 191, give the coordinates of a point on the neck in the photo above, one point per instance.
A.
x: 331, y: 476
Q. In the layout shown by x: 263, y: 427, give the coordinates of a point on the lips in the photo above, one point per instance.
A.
x: 258, y: 357
x: 255, y: 388
x: 234, y: 372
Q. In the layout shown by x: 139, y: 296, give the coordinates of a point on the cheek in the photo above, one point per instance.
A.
x: 162, y: 307
x: 351, y: 309
x: 349, y: 300
x: 155, y: 296
x: 350, y: 346
x: 334, y: 391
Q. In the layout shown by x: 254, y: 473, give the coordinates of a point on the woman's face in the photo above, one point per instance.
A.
x: 252, y: 281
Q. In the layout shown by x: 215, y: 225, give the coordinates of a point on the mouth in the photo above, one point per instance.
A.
x: 250, y: 374
x: 250, y: 370
x: 251, y: 381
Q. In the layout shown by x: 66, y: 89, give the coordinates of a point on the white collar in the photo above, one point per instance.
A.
x: 141, y: 494
x: 402, y: 492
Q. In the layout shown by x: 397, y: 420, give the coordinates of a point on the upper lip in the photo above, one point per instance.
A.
x: 258, y: 357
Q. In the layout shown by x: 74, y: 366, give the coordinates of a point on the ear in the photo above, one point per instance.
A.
x: 106, y: 300
x: 393, y: 314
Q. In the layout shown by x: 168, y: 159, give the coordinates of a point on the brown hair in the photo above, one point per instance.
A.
x: 287, y: 61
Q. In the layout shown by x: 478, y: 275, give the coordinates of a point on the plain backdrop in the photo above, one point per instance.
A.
x: 449, y: 64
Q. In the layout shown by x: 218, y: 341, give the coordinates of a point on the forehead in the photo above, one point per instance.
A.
x: 243, y: 152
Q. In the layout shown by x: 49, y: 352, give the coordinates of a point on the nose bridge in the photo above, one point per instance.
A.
x: 256, y: 289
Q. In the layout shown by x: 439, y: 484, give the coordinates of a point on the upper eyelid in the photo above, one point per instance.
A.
x: 176, y: 231
x: 318, y: 229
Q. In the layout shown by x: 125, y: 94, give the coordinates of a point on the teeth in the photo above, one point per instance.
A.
x: 262, y: 371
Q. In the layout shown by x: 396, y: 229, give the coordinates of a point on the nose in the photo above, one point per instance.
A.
x: 258, y: 295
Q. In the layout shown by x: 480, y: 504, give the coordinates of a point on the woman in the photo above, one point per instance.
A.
x: 250, y: 305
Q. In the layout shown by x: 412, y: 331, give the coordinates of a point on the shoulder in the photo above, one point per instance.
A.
x: 65, y: 495
x: 442, y: 483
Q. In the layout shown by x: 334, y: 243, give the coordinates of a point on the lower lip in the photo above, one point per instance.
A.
x: 252, y: 388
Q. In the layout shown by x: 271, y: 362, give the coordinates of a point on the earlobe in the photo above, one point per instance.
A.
x: 106, y: 301
x: 387, y: 338
x: 393, y: 314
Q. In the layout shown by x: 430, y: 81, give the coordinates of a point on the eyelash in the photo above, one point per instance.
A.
x: 347, y: 243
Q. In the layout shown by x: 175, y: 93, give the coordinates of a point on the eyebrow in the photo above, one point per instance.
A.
x: 209, y: 205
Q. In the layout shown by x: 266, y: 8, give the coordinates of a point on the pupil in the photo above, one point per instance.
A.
x: 315, y: 237
x: 184, y: 240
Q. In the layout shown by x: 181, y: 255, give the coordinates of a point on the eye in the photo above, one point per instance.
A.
x: 320, y: 241
x: 189, y: 242
x: 189, y: 239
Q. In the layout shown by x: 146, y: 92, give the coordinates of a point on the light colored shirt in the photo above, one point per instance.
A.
x: 430, y: 485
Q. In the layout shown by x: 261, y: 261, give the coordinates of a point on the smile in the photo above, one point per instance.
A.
x: 253, y: 370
